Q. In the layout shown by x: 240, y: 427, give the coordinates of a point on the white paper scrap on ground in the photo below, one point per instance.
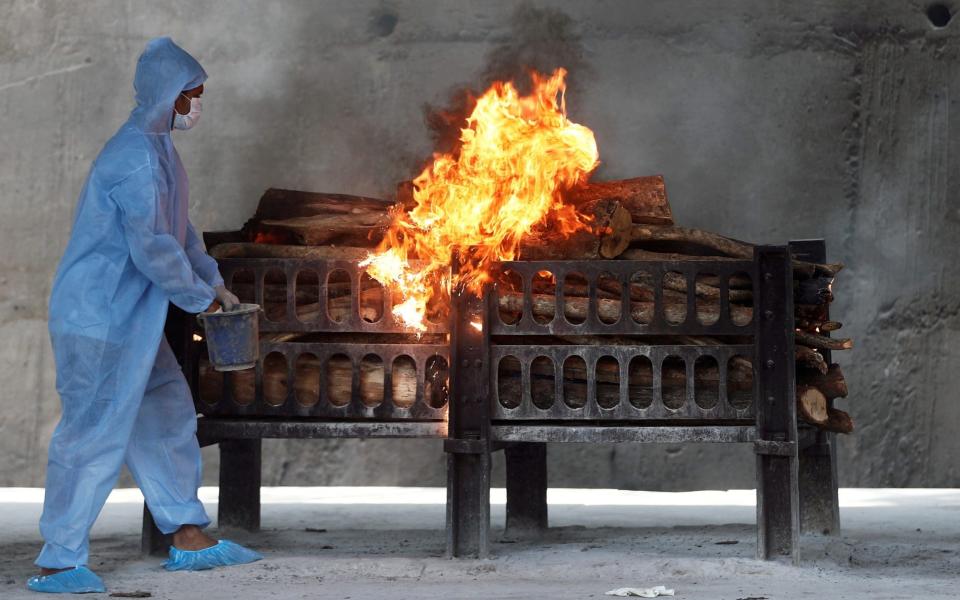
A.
x: 641, y: 592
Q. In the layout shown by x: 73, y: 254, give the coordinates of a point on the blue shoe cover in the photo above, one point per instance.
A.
x: 80, y: 580
x: 224, y: 554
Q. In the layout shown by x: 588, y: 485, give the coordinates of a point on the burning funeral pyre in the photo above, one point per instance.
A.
x: 517, y: 186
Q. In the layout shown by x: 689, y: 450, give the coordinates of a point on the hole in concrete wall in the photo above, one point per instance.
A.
x: 382, y: 24
x: 939, y: 15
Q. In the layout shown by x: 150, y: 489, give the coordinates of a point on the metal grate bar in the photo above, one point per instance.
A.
x: 628, y: 406
x: 322, y: 405
x: 622, y: 271
x: 320, y: 320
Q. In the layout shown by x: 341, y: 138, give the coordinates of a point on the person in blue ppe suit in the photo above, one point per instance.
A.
x: 132, y: 251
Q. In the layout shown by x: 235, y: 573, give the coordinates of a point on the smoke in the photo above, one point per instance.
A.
x: 540, y: 39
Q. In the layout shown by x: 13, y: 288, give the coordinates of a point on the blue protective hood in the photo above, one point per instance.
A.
x: 163, y: 71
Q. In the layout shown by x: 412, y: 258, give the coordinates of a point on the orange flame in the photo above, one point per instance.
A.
x: 517, y: 154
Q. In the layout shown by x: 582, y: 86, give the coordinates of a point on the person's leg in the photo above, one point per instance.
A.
x: 164, y: 456
x: 87, y: 448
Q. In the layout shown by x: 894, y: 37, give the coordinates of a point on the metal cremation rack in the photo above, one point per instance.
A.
x: 479, y: 413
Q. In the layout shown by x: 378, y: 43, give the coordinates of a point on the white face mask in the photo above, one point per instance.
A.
x: 190, y: 119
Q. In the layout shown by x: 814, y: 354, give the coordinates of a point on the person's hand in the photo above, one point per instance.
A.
x: 214, y: 307
x: 226, y: 298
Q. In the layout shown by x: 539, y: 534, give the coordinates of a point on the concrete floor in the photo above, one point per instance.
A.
x: 357, y: 543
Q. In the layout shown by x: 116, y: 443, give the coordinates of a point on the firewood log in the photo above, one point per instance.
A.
x: 607, y: 236
x: 544, y: 305
x: 695, y: 237
x: 809, y: 357
x: 830, y: 325
x: 813, y: 290
x: 575, y: 309
x: 831, y: 384
x: 363, y: 229
x: 611, y: 288
x: 641, y: 254
x: 369, y: 307
x: 740, y: 364
x: 645, y: 198
x: 314, y: 219
x: 817, y: 326
x: 307, y: 381
x: 822, y: 342
x: 278, y: 203
x: 838, y: 421
x: 811, y: 404
x: 678, y: 282
x: 405, y: 198
x: 812, y: 312
x: 689, y: 238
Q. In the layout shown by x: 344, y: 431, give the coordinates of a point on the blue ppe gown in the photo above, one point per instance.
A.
x: 132, y: 250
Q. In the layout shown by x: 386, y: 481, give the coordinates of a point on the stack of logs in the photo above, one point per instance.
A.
x: 630, y: 219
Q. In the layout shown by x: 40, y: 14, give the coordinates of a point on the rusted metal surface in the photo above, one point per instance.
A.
x: 469, y: 448
x: 615, y: 434
x: 778, y: 501
x: 210, y: 430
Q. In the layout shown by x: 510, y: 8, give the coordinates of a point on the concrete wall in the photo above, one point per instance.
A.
x: 770, y: 121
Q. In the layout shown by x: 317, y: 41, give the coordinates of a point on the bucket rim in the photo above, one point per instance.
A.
x: 242, y: 309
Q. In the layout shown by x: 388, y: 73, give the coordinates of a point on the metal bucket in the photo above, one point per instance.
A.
x: 233, y: 338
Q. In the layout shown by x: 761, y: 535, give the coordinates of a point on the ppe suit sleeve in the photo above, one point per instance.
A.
x: 203, y: 264
x: 157, y: 254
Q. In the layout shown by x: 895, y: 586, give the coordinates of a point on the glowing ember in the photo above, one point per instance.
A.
x: 517, y: 154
